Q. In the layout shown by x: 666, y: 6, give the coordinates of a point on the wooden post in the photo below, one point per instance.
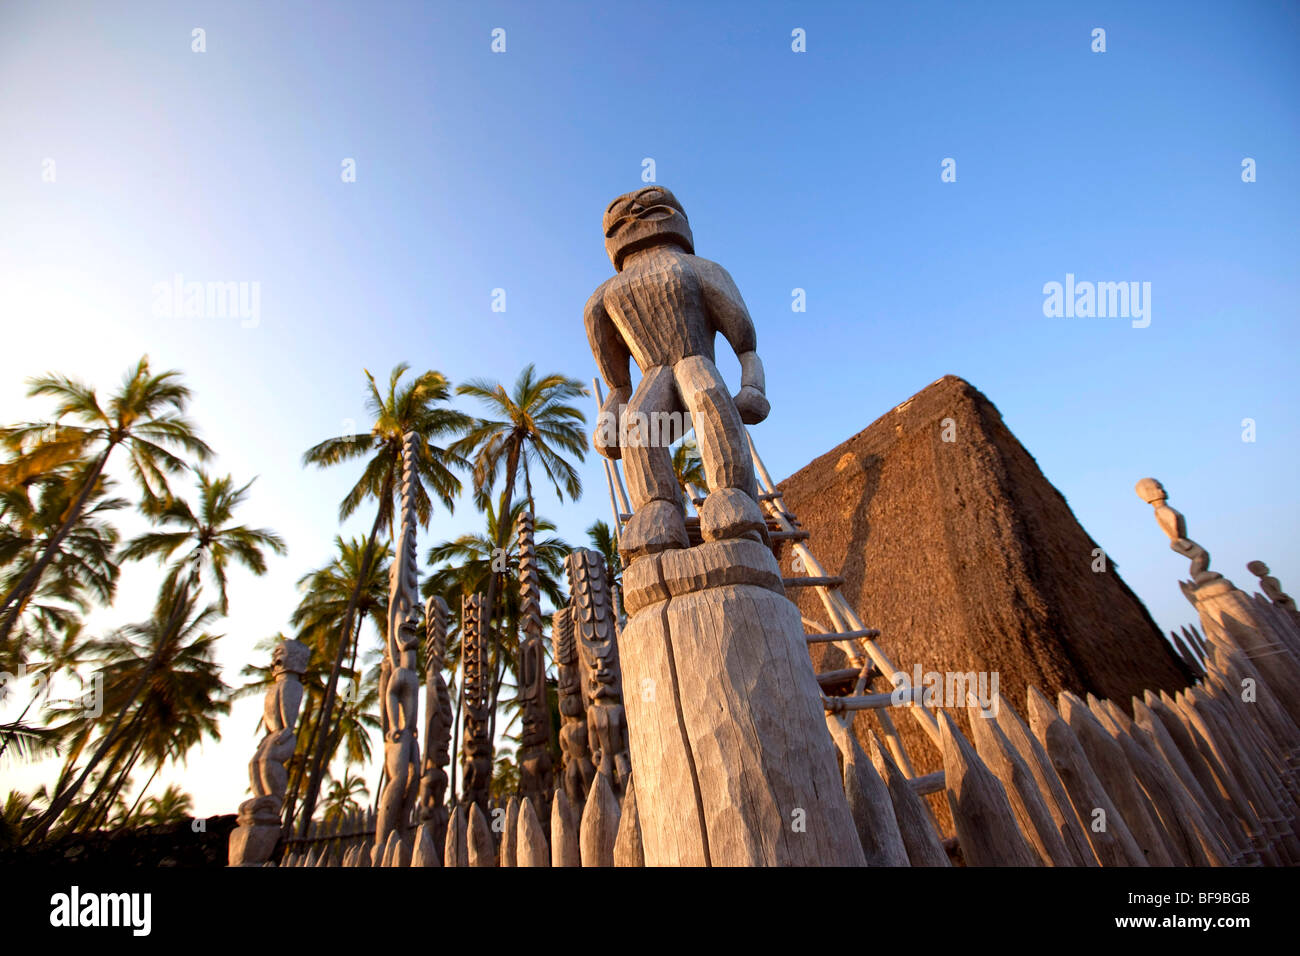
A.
x: 1027, y: 802
x: 482, y: 849
x: 1049, y: 783
x: 986, y: 826
x: 869, y: 800
x: 456, y: 852
x: 628, y: 848
x: 530, y: 842
x: 1117, y: 777
x: 599, y: 830
x: 564, y: 833
x: 509, y: 834
x: 426, y: 852
x: 1106, y: 829
x: 914, y: 822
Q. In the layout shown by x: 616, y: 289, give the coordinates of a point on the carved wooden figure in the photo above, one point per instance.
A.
x: 477, y: 746
x: 577, y: 769
x: 401, y: 690
x: 259, y: 818
x: 437, y: 724
x: 591, y: 614
x: 536, y: 773
x: 732, y: 759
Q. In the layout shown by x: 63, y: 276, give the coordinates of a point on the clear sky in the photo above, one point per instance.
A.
x: 819, y: 170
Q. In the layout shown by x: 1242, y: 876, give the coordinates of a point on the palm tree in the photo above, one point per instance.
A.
x: 174, y: 806
x: 534, y: 424
x: 212, y: 540
x: 463, y: 565
x: 688, y: 467
x: 342, y: 796
x: 417, y: 407
x: 151, y: 655
x: 82, y: 570
x: 145, y: 417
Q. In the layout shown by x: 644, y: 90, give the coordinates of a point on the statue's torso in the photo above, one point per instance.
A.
x: 657, y: 305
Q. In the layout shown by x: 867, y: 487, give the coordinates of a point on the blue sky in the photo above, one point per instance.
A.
x: 818, y: 170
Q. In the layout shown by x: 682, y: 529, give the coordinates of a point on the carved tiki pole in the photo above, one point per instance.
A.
x: 1215, y: 597
x: 591, y: 615
x: 476, y: 751
x: 255, y: 837
x: 401, y: 689
x: 574, y: 749
x: 437, y: 723
x: 733, y: 762
x: 536, y: 775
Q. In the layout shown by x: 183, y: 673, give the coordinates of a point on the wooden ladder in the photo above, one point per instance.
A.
x: 868, y: 662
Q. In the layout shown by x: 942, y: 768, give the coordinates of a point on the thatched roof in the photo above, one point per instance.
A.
x: 967, y: 559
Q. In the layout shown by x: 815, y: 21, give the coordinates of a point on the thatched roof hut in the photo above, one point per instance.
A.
x: 967, y: 559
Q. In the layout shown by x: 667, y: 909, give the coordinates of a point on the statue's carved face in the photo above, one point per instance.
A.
x: 1151, y: 491
x: 647, y: 217
x: 290, y: 657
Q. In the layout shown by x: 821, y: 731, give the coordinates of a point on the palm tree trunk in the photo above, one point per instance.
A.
x: 21, y: 592
x: 140, y: 796
x: 327, y: 706
x: 60, y: 802
x: 106, y: 805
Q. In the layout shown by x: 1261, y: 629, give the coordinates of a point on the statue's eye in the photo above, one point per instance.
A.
x: 649, y: 197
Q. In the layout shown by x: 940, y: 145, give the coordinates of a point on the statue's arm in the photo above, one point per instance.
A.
x: 612, y: 358
x: 728, y: 315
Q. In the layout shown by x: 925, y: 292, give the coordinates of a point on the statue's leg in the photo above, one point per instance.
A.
x: 658, y: 520
x: 731, y: 509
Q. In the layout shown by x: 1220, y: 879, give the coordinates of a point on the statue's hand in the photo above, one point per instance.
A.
x: 606, y: 437
x: 752, y: 405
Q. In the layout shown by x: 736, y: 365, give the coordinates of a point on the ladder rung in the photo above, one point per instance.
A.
x: 830, y: 636
x: 930, y: 783
x: 789, y: 535
x: 839, y: 676
x: 861, y: 702
x: 813, y: 582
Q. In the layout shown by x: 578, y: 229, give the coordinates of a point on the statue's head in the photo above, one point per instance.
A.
x: 1257, y: 568
x: 650, y: 216
x: 1151, y: 491
x: 290, y: 657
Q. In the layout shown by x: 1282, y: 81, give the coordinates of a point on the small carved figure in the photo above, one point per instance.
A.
x: 1271, y: 587
x: 578, y: 769
x: 592, y: 617
x: 437, y: 722
x: 1174, y: 525
x: 477, y: 748
x: 536, y: 773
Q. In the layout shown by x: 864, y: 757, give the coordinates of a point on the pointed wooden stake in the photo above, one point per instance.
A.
x: 986, y: 826
x: 426, y: 854
x: 564, y: 833
x: 869, y: 801
x: 509, y: 835
x: 914, y: 822
x: 628, y: 848
x: 1111, y: 838
x: 1049, y: 782
x: 482, y: 850
x: 530, y: 841
x: 1118, y: 779
x: 1027, y: 802
x: 456, y: 851
x: 599, y: 829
